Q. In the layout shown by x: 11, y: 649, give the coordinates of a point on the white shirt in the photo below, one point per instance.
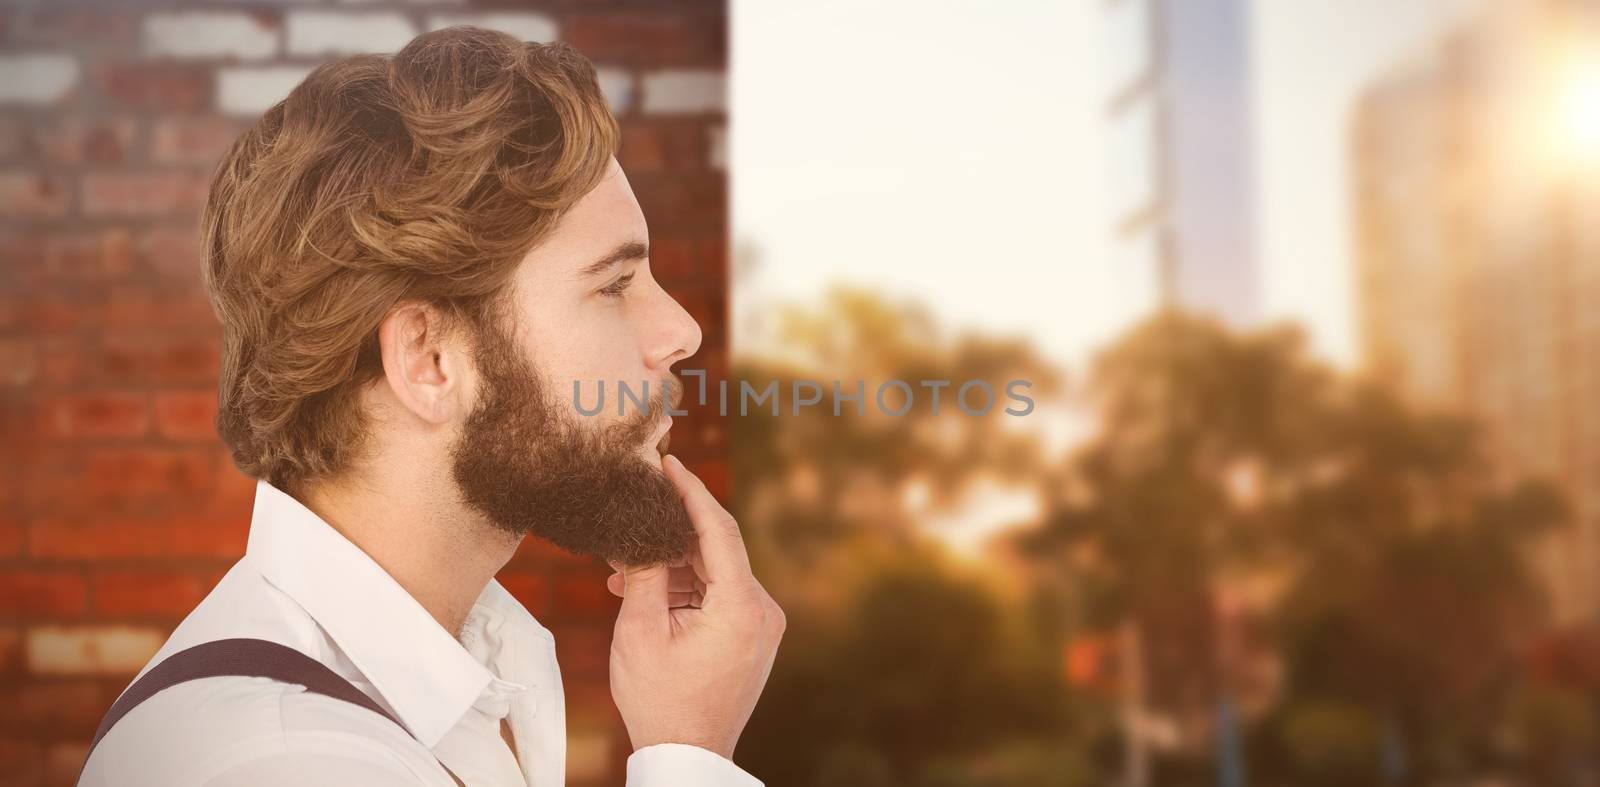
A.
x: 303, y: 584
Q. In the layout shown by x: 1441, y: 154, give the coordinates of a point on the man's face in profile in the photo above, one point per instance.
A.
x: 586, y: 309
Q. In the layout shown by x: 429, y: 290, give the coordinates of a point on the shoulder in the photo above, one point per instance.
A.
x: 200, y: 730
x: 237, y: 731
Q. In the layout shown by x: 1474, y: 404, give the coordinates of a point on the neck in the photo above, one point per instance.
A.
x: 442, y: 554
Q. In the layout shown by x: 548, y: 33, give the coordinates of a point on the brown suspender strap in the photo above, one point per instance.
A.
x: 242, y: 657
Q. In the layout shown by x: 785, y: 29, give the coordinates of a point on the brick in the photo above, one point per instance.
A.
x: 718, y: 147
x: 76, y: 26
x: 13, y: 536
x: 583, y: 595
x: 322, y: 33
x: 714, y: 472
x: 36, y: 79
x: 708, y: 307
x: 664, y: 144
x: 233, y: 491
x: 25, y: 761
x: 707, y: 435
x: 588, y: 701
x: 684, y: 200
x: 30, y: 195
x: 676, y: 39
x: 192, y: 140
x: 95, y: 415
x: 617, y: 84
x: 111, y: 481
x: 584, y: 652
x: 98, y: 538
x: 13, y: 138
x: 160, y: 359
x: 133, y: 593
x: 53, y: 708
x: 186, y: 309
x: 47, y: 314
x: 711, y: 251
x: 116, y: 252
x: 64, y: 761
x: 537, y: 551
x: 187, y: 415
x: 672, y: 257
x: 685, y: 91
x: 252, y: 91
x: 169, y: 252
x: 528, y: 587
x: 525, y: 27
x: 210, y: 34
x: 90, y: 650
x: 143, y: 193
x: 79, y: 140
x: 39, y: 259
x: 10, y: 652
x: 64, y: 361
x: 643, y: 150
x: 132, y: 476
x: 155, y: 85
x: 210, y: 534
x: 42, y: 595
x: 19, y: 362
x: 589, y: 756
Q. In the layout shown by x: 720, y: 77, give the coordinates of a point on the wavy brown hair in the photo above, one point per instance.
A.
x: 425, y: 175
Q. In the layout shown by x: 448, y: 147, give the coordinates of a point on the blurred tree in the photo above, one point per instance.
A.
x: 819, y: 491
x: 898, y: 664
x: 1344, y: 570
x: 1373, y: 540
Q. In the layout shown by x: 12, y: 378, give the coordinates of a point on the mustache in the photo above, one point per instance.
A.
x: 641, y: 424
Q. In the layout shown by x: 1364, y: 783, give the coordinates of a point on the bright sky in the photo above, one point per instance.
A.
x: 935, y: 149
x: 953, y: 152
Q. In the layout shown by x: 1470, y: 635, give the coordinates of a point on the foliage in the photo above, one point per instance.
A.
x: 1241, y: 505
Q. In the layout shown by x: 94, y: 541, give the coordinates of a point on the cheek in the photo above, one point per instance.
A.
x: 596, y: 347
x: 590, y: 362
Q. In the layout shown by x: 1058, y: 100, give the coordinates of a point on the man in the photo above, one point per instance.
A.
x: 413, y: 258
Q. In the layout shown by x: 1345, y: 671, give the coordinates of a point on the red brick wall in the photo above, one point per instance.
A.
x: 119, y: 508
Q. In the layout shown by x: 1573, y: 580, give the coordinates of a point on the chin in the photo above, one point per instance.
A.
x: 651, y: 457
x: 653, y: 454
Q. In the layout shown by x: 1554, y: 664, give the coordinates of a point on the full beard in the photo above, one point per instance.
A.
x: 529, y: 466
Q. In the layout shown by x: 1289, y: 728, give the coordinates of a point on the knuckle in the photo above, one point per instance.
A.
x: 777, y: 618
x: 728, y: 526
x: 750, y: 616
x: 633, y: 626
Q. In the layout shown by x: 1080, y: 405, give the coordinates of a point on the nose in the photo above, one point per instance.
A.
x: 673, y: 334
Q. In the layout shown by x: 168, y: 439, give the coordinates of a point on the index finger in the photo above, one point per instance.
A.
x: 722, y: 551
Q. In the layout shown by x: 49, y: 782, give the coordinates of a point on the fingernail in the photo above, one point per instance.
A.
x: 674, y: 459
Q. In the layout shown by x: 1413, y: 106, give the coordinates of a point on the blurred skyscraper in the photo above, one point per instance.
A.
x: 1182, y: 184
x: 1477, y: 241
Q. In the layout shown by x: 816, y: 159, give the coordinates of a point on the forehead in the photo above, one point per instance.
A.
x: 608, y: 215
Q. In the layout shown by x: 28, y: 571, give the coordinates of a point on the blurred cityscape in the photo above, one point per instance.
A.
x: 1247, y: 564
x: 1311, y: 494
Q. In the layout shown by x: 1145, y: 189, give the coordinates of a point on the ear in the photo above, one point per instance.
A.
x: 424, y: 364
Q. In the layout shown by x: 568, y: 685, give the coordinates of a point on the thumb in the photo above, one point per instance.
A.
x: 644, y: 597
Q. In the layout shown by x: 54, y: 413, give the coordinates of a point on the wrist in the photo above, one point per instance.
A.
x: 721, y: 748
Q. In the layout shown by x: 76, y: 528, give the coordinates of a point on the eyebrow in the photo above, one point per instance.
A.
x: 627, y: 250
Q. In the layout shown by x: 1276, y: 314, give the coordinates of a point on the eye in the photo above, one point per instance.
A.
x: 614, y: 289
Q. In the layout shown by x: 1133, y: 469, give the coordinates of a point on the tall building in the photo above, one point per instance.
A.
x: 1477, y: 208
x: 1182, y: 184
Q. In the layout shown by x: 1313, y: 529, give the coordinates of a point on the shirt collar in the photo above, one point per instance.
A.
x: 425, y: 674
